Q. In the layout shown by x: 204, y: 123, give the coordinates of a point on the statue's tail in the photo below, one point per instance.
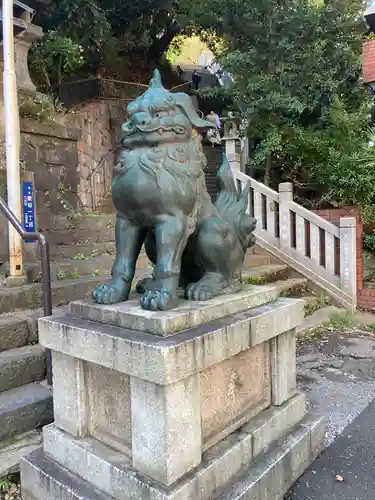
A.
x: 232, y: 206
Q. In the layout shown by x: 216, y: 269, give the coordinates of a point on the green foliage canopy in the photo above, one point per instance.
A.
x: 297, y: 69
x: 117, y: 36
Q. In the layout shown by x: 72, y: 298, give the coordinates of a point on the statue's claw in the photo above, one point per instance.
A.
x: 111, y: 293
x: 198, y: 292
x: 209, y: 286
x: 154, y: 300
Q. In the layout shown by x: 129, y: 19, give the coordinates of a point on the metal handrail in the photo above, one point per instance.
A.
x: 45, y: 266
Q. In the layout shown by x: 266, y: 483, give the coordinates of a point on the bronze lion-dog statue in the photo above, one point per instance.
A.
x: 160, y: 195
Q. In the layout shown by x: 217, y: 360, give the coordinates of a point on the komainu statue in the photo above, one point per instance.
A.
x: 162, y: 202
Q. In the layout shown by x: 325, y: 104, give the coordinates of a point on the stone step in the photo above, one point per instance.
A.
x: 80, y: 251
x: 254, y: 260
x: 80, y: 236
x: 25, y: 408
x: 21, y: 328
x: 66, y: 269
x: 292, y: 287
x: 29, y: 296
x: 314, y: 303
x: 13, y: 450
x: 14, y: 332
x: 40, y: 474
x: 79, y: 222
x: 316, y: 319
x: 21, y: 366
x: 265, y: 274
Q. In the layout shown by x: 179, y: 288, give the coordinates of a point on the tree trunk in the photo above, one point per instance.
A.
x: 160, y: 45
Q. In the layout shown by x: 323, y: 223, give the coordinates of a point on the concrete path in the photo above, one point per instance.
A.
x: 337, y: 371
x: 346, y: 470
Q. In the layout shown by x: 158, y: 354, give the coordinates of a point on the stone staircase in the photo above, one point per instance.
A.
x: 82, y: 252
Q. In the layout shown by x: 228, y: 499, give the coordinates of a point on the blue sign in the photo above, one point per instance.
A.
x: 28, y: 209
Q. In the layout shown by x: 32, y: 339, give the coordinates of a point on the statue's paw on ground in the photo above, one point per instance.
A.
x: 154, y: 300
x: 111, y: 293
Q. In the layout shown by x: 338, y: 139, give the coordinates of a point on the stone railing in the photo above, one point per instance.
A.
x: 321, y: 251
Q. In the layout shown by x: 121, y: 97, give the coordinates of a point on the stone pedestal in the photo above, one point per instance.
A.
x: 191, y: 404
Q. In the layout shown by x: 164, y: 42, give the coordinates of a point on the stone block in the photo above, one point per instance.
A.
x: 100, y: 466
x: 275, y: 422
x: 283, y: 367
x: 109, y: 406
x: 13, y: 332
x: 21, y: 366
x: 225, y: 474
x: 187, y: 315
x: 318, y: 433
x: 166, y: 428
x: 272, y: 475
x: 43, y: 479
x: 165, y: 360
x: 233, y: 391
x: 70, y: 396
x: 23, y: 409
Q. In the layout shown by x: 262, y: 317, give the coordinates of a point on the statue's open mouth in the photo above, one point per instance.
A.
x: 148, y: 130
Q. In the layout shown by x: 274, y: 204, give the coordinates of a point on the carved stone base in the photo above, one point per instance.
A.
x: 228, y: 471
x: 176, y: 408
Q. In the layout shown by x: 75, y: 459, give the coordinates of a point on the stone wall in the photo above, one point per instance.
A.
x: 99, y: 123
x: 72, y: 162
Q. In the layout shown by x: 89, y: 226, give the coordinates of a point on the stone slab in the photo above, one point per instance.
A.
x: 108, y: 393
x: 273, y: 474
x: 12, y: 450
x: 166, y: 428
x: 164, y: 360
x: 21, y: 366
x: 43, y: 479
x: 187, y: 315
x: 274, y: 423
x: 283, y: 367
x: 96, y: 466
x: 234, y: 391
x: 24, y: 408
x: 100, y: 466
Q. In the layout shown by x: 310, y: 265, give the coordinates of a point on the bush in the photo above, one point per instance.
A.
x: 40, y: 107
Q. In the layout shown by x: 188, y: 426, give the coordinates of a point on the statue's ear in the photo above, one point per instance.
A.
x: 186, y: 104
x: 155, y: 81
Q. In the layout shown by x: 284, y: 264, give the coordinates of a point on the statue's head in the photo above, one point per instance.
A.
x: 160, y: 117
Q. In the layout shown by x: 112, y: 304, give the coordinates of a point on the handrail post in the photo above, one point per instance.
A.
x: 45, y: 265
x: 285, y: 197
x: 12, y: 139
x: 348, y: 257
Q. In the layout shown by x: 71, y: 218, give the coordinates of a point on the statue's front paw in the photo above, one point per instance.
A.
x: 111, y: 293
x: 154, y: 300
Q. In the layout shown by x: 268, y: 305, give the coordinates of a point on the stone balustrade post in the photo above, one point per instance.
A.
x: 285, y: 197
x: 348, y: 257
x: 21, y: 49
x: 230, y: 140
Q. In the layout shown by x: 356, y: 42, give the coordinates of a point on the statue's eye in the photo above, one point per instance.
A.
x: 157, y: 115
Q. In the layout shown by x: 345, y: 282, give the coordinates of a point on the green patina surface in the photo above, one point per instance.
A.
x: 162, y: 202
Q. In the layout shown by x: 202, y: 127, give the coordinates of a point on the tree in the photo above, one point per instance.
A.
x: 116, y: 36
x: 291, y: 59
x: 52, y: 57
